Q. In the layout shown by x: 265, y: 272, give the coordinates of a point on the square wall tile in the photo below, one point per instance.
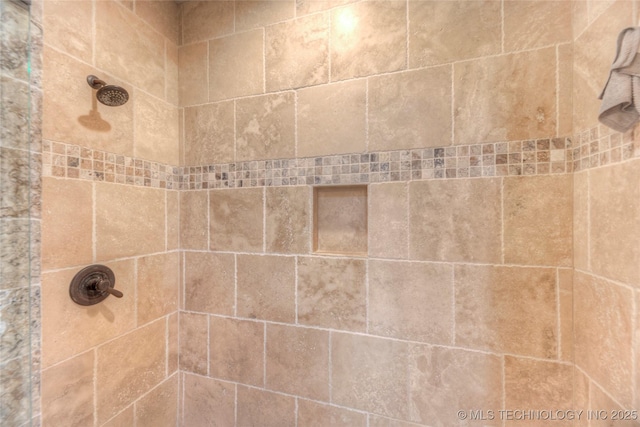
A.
x: 265, y: 127
x: 389, y: 220
x: 73, y: 34
x: 163, y: 16
x: 439, y: 31
x: 254, y: 14
x: 267, y: 287
x: 209, y: 282
x: 443, y: 379
x: 193, y: 63
x: 297, y: 53
x: 208, y: 402
x: 331, y: 119
x: 288, y: 220
x: 236, y: 64
x: 538, y: 226
x: 153, y: 142
x: 297, y: 361
x: 194, y: 217
x: 236, y: 220
x: 370, y: 374
x: 237, y: 350
x: 455, y: 220
x: 534, y: 24
x: 412, y: 301
x: 359, y: 48
x: 158, y: 286
x: 402, y: 111
x: 128, y: 367
x: 209, y: 135
x: 265, y: 409
x: 332, y: 293
x: 507, y: 310
x: 204, y: 20
x: 340, y: 220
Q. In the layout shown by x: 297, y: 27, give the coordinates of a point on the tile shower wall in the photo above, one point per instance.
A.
x: 464, y: 299
x: 20, y: 166
x: 606, y: 225
x: 114, y: 363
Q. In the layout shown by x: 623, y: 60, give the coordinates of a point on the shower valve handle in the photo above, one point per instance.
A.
x: 105, y: 286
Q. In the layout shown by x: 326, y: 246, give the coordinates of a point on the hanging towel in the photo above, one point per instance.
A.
x: 620, y: 108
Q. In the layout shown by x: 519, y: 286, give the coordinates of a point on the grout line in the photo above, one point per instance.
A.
x: 167, y: 346
x: 453, y: 308
x: 264, y: 356
x: 208, y: 346
x: 95, y: 385
x: 502, y: 223
x: 453, y: 106
x: 295, y: 270
x: 295, y: 411
x: 557, y: 88
x: 407, y: 27
x: 264, y: 220
x: 558, y: 317
x: 367, y: 124
x: 502, y: 35
x: 235, y: 285
x: 235, y: 405
x: 366, y: 291
x: 264, y: 60
x: 330, y: 361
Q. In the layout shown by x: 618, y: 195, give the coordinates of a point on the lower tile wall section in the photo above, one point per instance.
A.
x: 464, y: 302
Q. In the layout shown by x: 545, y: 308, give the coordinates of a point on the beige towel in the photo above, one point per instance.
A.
x: 621, y: 94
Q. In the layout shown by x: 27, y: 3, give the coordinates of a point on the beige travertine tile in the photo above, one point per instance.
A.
x: 163, y: 16
x: 202, y: 20
x: 297, y: 53
x: 129, y: 220
x: 520, y: 110
x: 267, y: 287
x: 209, y: 282
x: 128, y: 48
x: 237, y: 350
x: 637, y: 341
x: 306, y: 7
x: 537, y: 384
x: 208, y: 402
x: 412, y: 301
x: 332, y: 293
x: 153, y: 142
x: 603, y: 319
x: 194, y: 337
x: 128, y: 367
x: 565, y: 89
x: 359, y: 48
x: 297, y: 361
x: 313, y: 414
x: 158, y: 286
x: 402, y: 113
x: 254, y: 14
x: 125, y: 418
x: 598, y: 7
x: 194, y: 216
x: 172, y: 87
x: 369, y: 374
x: 331, y: 119
x: 64, y: 199
x: 601, y: 402
x: 236, y: 219
x: 581, y: 220
x: 439, y: 31
x: 389, y: 220
x: 581, y: 394
x: 376, y: 421
x: 73, y: 34
x: 265, y: 127
x: 67, y: 392
x: 455, y: 220
x: 159, y: 408
x: 443, y: 379
x: 209, y: 134
x: 534, y: 24
x: 173, y: 220
x: 593, y: 52
x: 69, y: 329
x: 614, y: 231
x: 173, y: 344
x: 75, y: 116
x: 566, y: 326
x: 264, y: 409
x: 193, y: 63
x: 506, y: 309
x: 288, y: 220
x: 580, y: 19
x: 537, y: 220
x: 340, y: 220
x: 236, y: 65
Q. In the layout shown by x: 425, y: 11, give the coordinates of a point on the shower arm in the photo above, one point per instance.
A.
x: 95, y: 82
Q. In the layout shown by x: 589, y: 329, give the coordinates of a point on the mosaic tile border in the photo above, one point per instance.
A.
x: 595, y: 147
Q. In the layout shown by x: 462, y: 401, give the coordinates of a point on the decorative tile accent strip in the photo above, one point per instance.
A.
x: 72, y: 161
x: 601, y: 146
x: 531, y: 157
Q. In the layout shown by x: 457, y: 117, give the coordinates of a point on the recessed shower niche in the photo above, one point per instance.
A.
x: 340, y: 220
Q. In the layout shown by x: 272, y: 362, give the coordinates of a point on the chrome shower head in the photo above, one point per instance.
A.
x: 113, y: 96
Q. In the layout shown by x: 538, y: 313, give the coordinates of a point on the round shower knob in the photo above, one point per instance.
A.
x: 93, y: 284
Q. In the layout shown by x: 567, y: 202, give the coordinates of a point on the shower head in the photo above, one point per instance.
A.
x: 113, y: 96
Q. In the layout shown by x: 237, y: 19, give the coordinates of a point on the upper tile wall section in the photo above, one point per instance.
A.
x: 134, y: 45
x: 373, y: 75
